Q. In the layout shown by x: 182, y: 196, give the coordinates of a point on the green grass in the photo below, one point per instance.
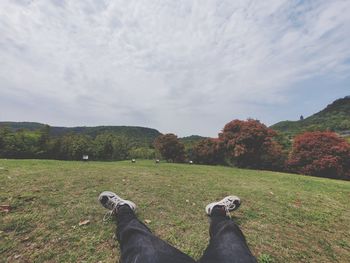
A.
x: 286, y: 218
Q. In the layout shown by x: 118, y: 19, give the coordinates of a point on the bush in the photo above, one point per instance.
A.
x: 142, y: 153
x: 323, y: 154
x: 250, y: 144
x: 208, y: 151
x: 170, y: 148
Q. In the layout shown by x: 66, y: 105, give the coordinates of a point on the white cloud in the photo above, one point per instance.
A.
x: 180, y: 66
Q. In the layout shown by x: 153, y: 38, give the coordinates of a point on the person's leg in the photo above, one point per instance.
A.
x: 227, y: 243
x: 137, y: 243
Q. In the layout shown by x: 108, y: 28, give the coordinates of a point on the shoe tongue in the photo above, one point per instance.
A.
x: 104, y: 199
x: 219, y: 210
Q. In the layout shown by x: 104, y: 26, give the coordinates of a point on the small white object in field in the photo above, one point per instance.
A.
x: 147, y: 221
x: 190, y: 162
x: 157, y: 161
x: 133, y: 160
x: 85, y: 157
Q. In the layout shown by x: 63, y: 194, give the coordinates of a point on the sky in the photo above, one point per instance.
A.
x: 185, y: 66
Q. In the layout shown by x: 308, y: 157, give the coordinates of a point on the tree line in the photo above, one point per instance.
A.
x: 245, y: 144
x: 250, y: 144
x: 39, y: 144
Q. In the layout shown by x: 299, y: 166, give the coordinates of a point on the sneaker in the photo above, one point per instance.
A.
x: 230, y: 203
x: 111, y: 201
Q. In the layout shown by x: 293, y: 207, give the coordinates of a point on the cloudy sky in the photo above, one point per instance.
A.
x: 184, y: 66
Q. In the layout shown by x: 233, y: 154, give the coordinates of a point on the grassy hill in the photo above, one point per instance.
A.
x: 141, y: 135
x: 285, y: 217
x: 335, y: 117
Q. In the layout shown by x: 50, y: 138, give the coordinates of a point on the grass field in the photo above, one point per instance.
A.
x: 286, y: 218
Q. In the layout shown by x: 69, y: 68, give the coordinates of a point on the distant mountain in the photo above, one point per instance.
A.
x: 335, y: 117
x: 140, y: 135
x: 32, y: 126
x: 190, y: 141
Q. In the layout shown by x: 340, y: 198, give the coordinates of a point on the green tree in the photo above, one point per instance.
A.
x: 74, y: 146
x: 103, y: 147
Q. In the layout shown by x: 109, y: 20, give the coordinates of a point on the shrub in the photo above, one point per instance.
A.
x: 170, y: 148
x: 323, y: 154
x: 208, y: 151
x: 142, y: 153
x: 251, y: 144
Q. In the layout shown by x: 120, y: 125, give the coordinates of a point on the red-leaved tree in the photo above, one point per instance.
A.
x: 323, y: 154
x: 208, y: 151
x: 251, y: 144
x: 169, y: 146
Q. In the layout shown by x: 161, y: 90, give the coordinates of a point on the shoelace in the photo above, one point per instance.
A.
x: 107, y: 216
x: 227, y: 212
x: 227, y: 205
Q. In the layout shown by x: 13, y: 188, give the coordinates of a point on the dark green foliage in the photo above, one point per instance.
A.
x: 35, y: 140
x: 138, y: 136
x: 335, y: 117
x: 73, y: 147
x: 191, y: 141
x: 21, y: 144
x: 39, y: 144
x: 110, y: 147
x: 142, y: 153
x: 14, y: 126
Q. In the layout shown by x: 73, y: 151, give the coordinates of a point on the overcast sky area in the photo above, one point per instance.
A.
x: 186, y: 67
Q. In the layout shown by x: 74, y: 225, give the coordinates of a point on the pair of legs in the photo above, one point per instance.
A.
x: 139, y: 245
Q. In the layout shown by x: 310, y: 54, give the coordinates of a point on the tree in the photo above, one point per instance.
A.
x: 4, y: 131
x: 251, y: 144
x: 170, y: 148
x: 208, y: 151
x: 323, y: 154
x: 73, y: 146
x: 103, y: 147
x: 43, y: 142
x: 120, y: 148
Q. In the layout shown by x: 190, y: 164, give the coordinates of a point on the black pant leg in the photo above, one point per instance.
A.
x: 227, y: 243
x: 139, y: 245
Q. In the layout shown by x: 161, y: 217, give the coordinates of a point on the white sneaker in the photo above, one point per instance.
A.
x: 111, y: 201
x: 230, y: 203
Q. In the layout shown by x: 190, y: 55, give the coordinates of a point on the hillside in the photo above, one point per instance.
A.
x: 335, y: 117
x: 190, y: 141
x: 285, y: 217
x: 141, y: 135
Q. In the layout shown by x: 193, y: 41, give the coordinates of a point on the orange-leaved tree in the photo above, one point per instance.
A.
x: 208, y: 151
x: 323, y: 154
x: 170, y: 148
x: 251, y: 144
